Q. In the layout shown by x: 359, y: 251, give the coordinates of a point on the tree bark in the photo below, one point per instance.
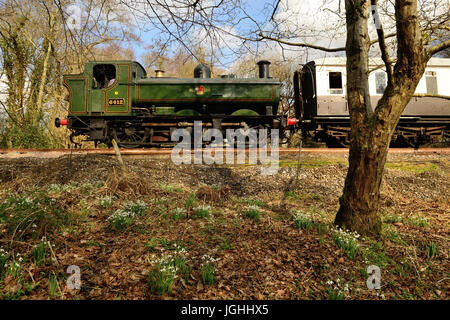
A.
x: 372, y: 130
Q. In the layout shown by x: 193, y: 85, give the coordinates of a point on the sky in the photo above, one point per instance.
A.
x: 314, y: 18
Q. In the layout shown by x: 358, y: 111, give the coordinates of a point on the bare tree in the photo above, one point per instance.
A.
x: 37, y: 48
x: 372, y: 128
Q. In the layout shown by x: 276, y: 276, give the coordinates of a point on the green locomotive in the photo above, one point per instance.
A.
x: 116, y: 100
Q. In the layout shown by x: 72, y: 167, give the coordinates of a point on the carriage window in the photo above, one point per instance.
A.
x: 335, y: 82
x: 104, y: 76
x: 380, y: 82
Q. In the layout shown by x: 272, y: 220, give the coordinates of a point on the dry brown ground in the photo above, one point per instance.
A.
x: 265, y: 259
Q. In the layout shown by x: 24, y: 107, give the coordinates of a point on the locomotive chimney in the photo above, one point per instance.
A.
x: 202, y: 71
x: 263, y: 66
x: 159, y: 73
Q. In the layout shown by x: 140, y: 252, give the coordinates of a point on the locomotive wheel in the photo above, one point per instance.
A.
x: 130, y: 137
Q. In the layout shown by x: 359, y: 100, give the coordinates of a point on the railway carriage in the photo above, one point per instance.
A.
x: 320, y: 92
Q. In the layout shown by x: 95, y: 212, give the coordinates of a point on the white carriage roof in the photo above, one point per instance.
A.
x: 376, y: 61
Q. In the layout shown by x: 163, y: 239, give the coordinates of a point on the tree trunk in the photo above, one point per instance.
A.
x: 372, y: 130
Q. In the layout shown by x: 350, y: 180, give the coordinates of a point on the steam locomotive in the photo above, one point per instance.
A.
x: 116, y: 100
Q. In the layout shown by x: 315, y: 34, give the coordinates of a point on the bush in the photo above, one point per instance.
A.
x: 29, y: 137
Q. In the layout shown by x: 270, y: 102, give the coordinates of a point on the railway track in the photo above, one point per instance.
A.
x: 55, y: 153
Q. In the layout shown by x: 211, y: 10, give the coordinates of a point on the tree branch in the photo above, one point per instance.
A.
x: 428, y: 95
x: 439, y: 47
x: 381, y: 40
x: 303, y: 45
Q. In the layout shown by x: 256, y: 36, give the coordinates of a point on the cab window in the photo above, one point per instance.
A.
x: 104, y: 76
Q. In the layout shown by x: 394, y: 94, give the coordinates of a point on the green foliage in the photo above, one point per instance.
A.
x: 315, y: 196
x: 161, y: 280
x: 14, y: 268
x: 321, y: 228
x: 415, y: 167
x: 137, y: 207
x: 252, y: 213
x: 4, y: 257
x: 335, y: 291
x: 335, y: 294
x: 226, y: 244
x: 25, y: 215
x: 391, y: 234
x: 151, y: 244
x: 53, y: 285
x: 252, y: 202
x: 169, y: 187
x: 182, y: 268
x: 120, y: 219
x: 165, y: 243
x: 412, y: 221
x: 375, y: 255
x: 417, y: 221
x: 290, y: 194
x: 403, y: 269
x: 392, y: 219
x: 431, y: 250
x: 39, y: 252
x: 202, y: 211
x: 106, y: 201
x: 162, y: 200
x: 29, y: 137
x: 191, y: 201
x: 303, y: 220
x: 208, y: 270
x: 164, y: 272
x: 178, y: 214
x: 348, y: 241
